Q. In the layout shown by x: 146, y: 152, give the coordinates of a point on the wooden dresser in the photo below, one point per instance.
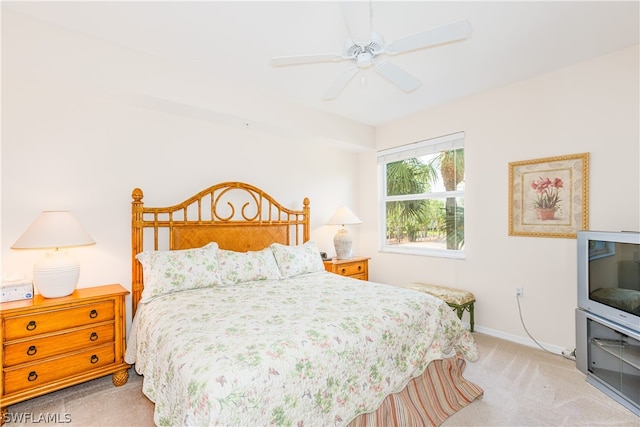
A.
x: 356, y: 267
x: 52, y: 343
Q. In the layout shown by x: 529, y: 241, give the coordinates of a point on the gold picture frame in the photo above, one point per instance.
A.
x: 549, y: 197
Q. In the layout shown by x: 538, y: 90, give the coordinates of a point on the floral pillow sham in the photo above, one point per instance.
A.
x: 241, y: 267
x: 296, y: 260
x: 179, y: 270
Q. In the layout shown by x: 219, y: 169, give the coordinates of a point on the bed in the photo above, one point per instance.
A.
x: 237, y: 323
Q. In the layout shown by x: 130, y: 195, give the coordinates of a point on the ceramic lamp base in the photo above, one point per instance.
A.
x: 56, y: 275
x: 343, y: 244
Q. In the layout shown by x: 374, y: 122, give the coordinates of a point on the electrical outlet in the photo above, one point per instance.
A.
x: 519, y: 292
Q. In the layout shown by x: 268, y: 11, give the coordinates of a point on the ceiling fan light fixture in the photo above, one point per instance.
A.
x: 364, y: 60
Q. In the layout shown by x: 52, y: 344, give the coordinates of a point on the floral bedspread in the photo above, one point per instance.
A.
x: 318, y: 349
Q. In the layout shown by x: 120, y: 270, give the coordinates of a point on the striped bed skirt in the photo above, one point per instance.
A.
x: 427, y: 400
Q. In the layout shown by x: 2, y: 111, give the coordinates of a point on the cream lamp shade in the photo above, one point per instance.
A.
x: 56, y: 275
x: 342, y: 240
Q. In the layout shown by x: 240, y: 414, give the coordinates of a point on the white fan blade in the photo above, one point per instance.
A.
x: 357, y: 17
x: 340, y: 83
x: 397, y: 76
x: 305, y: 59
x: 447, y: 33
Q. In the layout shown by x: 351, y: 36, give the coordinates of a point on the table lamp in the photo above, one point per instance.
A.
x: 342, y: 240
x: 56, y: 275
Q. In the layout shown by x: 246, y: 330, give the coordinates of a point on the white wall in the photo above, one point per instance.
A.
x: 590, y: 107
x: 77, y: 137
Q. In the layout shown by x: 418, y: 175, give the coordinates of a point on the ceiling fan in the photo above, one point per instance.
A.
x: 365, y: 48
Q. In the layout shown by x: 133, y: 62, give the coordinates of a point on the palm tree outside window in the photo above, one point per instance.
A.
x: 422, y: 197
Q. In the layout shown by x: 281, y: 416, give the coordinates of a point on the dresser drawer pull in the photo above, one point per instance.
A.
x: 93, y: 336
x: 93, y: 314
x: 32, y: 376
x: 32, y: 350
x: 31, y: 325
x: 359, y: 267
x: 94, y: 359
x: 344, y: 271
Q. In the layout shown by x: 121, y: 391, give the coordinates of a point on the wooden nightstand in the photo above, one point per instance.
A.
x: 356, y: 267
x: 52, y: 343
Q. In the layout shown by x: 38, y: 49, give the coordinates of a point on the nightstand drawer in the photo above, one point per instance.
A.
x: 22, y: 351
x: 52, y: 321
x: 36, y: 374
x: 355, y: 268
x: 352, y: 269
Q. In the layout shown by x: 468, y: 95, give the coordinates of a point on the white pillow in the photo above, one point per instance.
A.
x: 241, y: 267
x: 296, y: 260
x: 179, y: 270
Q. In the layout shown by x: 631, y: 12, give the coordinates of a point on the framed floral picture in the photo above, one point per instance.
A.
x: 549, y: 197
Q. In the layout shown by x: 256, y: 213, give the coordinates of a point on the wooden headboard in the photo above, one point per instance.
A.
x: 237, y: 216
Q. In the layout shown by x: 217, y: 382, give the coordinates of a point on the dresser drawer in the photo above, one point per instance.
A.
x: 30, y: 325
x: 351, y: 269
x: 36, y: 374
x: 52, y: 343
x: 22, y: 351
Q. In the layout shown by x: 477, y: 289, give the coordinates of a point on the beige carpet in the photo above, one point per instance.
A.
x: 525, y: 386
x: 522, y: 386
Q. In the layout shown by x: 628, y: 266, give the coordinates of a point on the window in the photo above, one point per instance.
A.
x: 422, y: 197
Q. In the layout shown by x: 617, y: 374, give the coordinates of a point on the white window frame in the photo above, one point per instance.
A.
x: 403, y: 152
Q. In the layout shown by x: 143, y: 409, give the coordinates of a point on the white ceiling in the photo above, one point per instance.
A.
x: 234, y: 41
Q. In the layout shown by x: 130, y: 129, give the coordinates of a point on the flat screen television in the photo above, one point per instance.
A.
x: 609, y: 275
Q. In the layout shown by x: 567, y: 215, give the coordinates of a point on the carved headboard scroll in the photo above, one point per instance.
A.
x: 237, y: 216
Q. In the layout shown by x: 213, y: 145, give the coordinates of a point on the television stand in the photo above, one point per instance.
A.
x: 609, y: 354
x: 627, y: 353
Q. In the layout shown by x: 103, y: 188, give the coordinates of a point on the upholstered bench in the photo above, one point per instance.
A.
x: 456, y: 298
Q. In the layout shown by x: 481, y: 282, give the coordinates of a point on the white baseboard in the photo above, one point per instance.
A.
x: 519, y: 340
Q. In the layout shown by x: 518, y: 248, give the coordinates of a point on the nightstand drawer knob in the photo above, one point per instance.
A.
x: 93, y: 336
x: 344, y: 271
x: 32, y: 350
x: 94, y: 359
x: 93, y: 314
x: 359, y: 267
x: 32, y: 376
x: 31, y: 325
